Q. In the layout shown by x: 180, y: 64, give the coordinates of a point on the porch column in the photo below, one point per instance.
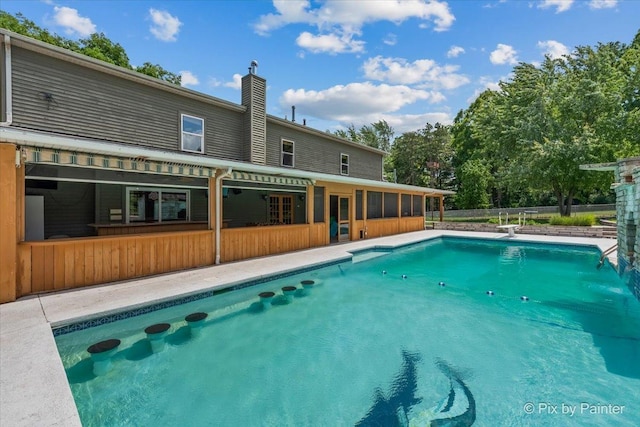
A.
x: 441, y: 207
x: 212, y: 214
x: 9, y: 227
x: 310, y: 201
x: 364, y: 212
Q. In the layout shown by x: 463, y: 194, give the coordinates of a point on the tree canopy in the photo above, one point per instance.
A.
x: 547, y: 120
x: 523, y: 144
x: 96, y: 46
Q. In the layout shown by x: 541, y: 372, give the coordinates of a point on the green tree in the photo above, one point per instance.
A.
x: 96, y: 46
x: 423, y: 157
x: 547, y: 120
x: 155, y: 70
x: 377, y: 135
x: 475, y: 178
x: 407, y: 160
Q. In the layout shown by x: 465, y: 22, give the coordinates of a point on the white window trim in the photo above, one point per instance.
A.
x: 159, y: 190
x: 282, y: 153
x: 183, y: 132
x: 343, y: 164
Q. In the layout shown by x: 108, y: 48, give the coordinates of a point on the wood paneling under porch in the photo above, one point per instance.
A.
x: 72, y: 263
x: 388, y: 226
x: 250, y: 242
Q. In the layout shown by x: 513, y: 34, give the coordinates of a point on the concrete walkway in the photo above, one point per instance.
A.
x: 33, y: 384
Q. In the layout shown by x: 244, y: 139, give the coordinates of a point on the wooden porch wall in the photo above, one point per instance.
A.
x: 382, y: 227
x: 414, y: 223
x: 318, y: 235
x: 250, y: 242
x: 72, y: 263
x: 386, y: 227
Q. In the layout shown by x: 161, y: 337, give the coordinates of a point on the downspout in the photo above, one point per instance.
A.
x: 7, y: 82
x: 219, y: 210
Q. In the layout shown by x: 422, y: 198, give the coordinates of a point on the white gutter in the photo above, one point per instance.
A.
x: 8, y: 92
x: 219, y: 210
x: 60, y: 142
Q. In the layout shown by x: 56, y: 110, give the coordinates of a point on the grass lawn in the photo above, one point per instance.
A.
x: 534, y: 219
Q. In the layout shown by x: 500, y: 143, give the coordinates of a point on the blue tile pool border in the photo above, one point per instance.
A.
x: 110, y: 318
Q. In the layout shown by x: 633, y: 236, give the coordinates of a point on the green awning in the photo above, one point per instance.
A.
x: 270, y: 179
x: 97, y: 161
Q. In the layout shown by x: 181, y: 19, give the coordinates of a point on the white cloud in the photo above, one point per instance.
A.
x: 329, y: 43
x: 338, y: 22
x: 344, y: 102
x: 423, y: 72
x: 165, y: 27
x: 390, y: 40
x: 603, y: 4
x: 553, y: 48
x: 236, y: 83
x: 400, y: 123
x: 504, y: 54
x: 72, y: 22
x: 560, y: 5
x: 354, y: 14
x: 455, y: 51
x: 188, y: 78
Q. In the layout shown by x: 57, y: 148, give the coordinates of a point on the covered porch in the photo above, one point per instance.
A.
x: 87, y: 215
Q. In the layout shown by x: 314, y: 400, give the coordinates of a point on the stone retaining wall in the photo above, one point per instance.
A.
x: 546, y: 230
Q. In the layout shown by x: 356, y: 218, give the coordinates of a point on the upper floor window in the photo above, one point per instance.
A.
x: 192, y: 130
x: 344, y: 164
x: 287, y: 153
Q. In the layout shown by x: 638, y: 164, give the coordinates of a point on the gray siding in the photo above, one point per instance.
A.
x: 53, y: 95
x: 316, y: 154
x: 3, y: 88
x: 88, y: 103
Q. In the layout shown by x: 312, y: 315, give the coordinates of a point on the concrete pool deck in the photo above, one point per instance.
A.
x: 33, y: 384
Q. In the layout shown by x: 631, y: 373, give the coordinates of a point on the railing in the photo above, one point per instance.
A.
x: 605, y: 254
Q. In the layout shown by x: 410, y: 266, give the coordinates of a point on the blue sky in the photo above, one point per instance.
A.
x: 342, y: 62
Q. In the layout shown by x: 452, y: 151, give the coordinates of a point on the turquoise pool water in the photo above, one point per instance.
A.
x: 380, y: 341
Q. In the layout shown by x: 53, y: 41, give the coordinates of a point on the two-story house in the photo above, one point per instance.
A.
x: 107, y: 174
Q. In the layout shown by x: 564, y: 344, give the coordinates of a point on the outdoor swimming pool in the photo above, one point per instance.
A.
x: 381, y: 341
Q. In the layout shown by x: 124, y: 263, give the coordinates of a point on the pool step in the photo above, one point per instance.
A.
x: 367, y: 255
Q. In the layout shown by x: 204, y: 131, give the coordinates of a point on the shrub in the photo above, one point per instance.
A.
x: 583, y: 220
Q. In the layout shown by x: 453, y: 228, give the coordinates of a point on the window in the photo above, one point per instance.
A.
x: 287, y: 153
x: 358, y: 204
x: 192, y: 129
x: 405, y: 204
x: 280, y: 209
x: 344, y: 164
x: 157, y: 205
x: 318, y: 204
x: 390, y: 205
x: 417, y: 205
x: 374, y: 204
